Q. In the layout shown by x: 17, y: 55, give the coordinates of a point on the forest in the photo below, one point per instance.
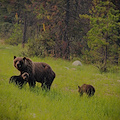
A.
x: 88, y: 30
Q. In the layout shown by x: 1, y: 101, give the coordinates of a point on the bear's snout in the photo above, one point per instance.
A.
x: 19, y: 65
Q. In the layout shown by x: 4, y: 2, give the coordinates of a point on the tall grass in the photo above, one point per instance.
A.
x: 63, y: 101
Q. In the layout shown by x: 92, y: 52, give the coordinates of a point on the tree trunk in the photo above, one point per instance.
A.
x: 25, y: 29
x: 66, y: 51
x: 105, y: 60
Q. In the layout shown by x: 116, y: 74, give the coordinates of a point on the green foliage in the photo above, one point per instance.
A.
x: 5, y: 30
x: 63, y: 101
x: 40, y: 46
x: 103, y: 37
x: 16, y: 36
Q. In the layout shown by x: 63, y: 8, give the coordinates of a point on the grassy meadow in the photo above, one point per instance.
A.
x: 63, y: 101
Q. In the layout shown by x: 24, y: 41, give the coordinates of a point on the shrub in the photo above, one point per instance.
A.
x: 16, y: 36
x: 40, y: 46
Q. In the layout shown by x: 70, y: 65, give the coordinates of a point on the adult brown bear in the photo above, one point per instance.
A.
x: 38, y: 71
x: 88, y: 89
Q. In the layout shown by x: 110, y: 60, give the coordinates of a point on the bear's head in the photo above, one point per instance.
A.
x: 25, y: 76
x: 79, y: 89
x: 19, y: 63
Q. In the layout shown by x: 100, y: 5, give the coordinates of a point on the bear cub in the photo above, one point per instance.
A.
x: 88, y: 89
x: 19, y: 80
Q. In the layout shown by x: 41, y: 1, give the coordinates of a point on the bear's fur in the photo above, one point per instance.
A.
x: 88, y: 89
x: 38, y: 71
x: 19, y: 80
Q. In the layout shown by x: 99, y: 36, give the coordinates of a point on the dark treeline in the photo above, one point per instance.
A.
x: 87, y: 29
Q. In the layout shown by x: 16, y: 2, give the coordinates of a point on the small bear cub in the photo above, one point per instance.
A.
x: 88, y: 89
x: 19, y: 80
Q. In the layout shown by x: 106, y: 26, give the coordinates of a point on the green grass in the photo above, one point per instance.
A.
x: 63, y: 101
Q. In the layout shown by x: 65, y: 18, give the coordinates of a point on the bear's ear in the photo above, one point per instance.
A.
x: 14, y: 57
x: 78, y: 86
x: 24, y: 58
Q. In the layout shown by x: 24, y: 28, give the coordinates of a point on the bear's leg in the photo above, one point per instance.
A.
x: 21, y: 82
x: 90, y: 92
x: 43, y: 86
x: 50, y: 79
x: 32, y: 83
x: 46, y: 84
x: 49, y: 82
x: 81, y: 93
x: 12, y: 79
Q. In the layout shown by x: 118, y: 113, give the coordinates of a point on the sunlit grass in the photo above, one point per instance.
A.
x: 63, y: 101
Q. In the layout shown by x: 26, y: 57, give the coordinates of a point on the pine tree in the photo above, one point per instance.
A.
x: 104, y: 33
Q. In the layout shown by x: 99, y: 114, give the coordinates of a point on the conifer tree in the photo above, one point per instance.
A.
x: 103, y: 36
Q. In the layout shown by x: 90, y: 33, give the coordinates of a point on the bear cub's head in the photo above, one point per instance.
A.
x: 79, y: 89
x: 25, y: 76
x: 19, y: 63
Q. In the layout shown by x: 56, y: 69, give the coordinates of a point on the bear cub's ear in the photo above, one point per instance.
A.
x: 78, y: 86
x: 14, y: 57
x: 24, y: 58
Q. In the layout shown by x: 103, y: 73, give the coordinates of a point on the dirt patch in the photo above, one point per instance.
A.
x: 118, y: 80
